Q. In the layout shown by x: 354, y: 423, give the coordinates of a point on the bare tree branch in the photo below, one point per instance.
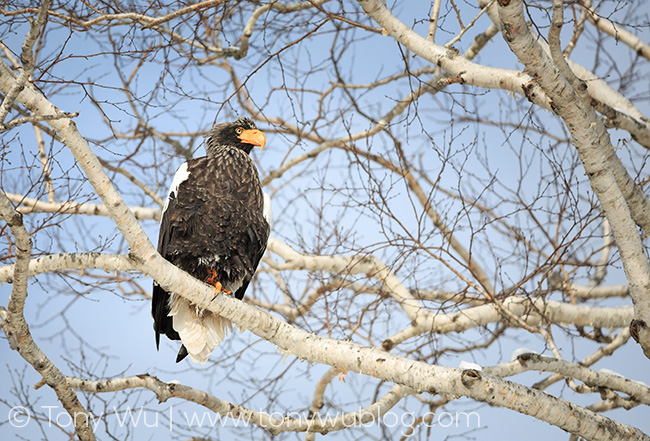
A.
x: 17, y: 330
x: 622, y: 205
x: 27, y: 59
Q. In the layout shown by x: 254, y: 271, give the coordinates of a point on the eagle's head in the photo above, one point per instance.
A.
x: 241, y: 133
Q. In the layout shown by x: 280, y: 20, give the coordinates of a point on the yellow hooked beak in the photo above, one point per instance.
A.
x: 253, y: 136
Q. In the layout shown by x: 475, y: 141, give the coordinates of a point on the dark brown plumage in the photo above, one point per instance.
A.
x: 213, y: 226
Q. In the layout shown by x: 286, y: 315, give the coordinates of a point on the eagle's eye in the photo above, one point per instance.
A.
x: 239, y: 130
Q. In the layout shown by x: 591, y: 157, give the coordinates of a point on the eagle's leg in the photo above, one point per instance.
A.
x: 212, y: 280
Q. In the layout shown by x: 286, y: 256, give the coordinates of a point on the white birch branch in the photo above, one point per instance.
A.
x: 30, y: 205
x: 27, y: 59
x: 165, y: 391
x: 606, y: 350
x: 534, y: 362
x: 433, y: 21
x: 532, y: 311
x: 599, y: 159
x: 620, y: 34
x: 628, y: 117
x: 369, y: 265
x: 451, y: 61
x: 620, y: 111
x: 35, y: 119
x: 598, y: 292
x: 17, y: 330
x: 69, y: 261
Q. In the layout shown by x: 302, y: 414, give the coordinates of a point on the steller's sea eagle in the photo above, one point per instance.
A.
x: 215, y: 226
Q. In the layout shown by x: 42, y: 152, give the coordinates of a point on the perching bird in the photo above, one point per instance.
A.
x: 215, y: 226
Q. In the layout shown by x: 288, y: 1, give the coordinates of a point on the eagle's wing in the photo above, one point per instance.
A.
x: 162, y: 322
x: 258, y: 239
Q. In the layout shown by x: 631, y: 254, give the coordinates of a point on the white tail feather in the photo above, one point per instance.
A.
x: 200, y: 331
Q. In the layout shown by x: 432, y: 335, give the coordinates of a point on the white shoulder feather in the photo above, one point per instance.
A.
x: 181, y: 176
x: 266, y: 209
